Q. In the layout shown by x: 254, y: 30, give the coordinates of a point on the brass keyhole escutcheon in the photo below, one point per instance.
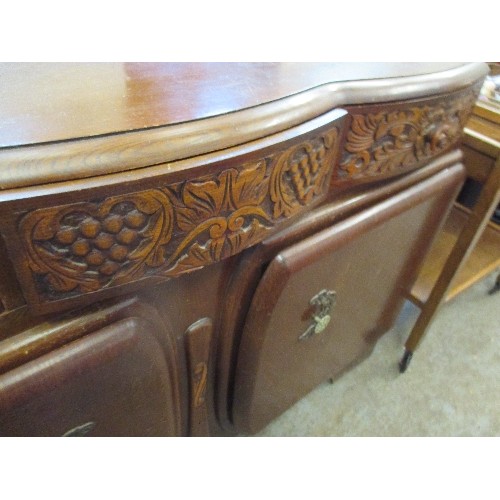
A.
x: 80, y: 430
x: 323, y: 302
x: 321, y: 323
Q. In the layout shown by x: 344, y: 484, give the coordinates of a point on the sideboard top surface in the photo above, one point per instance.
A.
x: 43, y: 102
x: 69, y: 121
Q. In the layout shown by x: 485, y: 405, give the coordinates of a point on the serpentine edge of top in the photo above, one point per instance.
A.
x: 81, y: 158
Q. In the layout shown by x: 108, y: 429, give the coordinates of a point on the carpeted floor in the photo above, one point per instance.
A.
x: 451, y: 388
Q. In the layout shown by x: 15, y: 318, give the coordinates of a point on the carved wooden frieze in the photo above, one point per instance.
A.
x: 387, y: 141
x: 172, y: 229
x: 87, y: 246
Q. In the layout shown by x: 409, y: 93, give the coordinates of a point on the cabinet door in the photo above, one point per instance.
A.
x: 324, y: 301
x: 114, y: 382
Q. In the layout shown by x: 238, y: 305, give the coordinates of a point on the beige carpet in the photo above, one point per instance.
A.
x: 451, y: 388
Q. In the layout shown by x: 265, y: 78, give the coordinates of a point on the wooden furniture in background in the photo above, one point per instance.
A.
x: 188, y: 249
x: 468, y: 247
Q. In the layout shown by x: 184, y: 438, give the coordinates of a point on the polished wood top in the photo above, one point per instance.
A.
x: 42, y: 102
x: 67, y: 121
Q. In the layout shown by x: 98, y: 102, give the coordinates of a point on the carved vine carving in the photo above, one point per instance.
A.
x: 383, y: 142
x: 220, y: 216
x: 86, y: 246
x: 174, y: 229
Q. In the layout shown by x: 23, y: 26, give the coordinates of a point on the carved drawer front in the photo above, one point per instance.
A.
x: 114, y: 382
x: 324, y: 301
x: 386, y: 140
x: 91, y: 240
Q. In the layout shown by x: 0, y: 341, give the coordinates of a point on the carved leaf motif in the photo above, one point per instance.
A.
x: 83, y: 247
x: 64, y: 275
x: 199, y: 255
x: 157, y: 233
x: 383, y: 142
x: 213, y: 206
x: 362, y: 133
x: 398, y: 125
x: 201, y: 201
x: 248, y: 187
x: 231, y: 190
x: 281, y: 194
x: 391, y: 156
x: 244, y: 239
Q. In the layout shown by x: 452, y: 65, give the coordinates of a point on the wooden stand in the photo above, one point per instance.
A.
x: 468, y: 247
x: 483, y: 260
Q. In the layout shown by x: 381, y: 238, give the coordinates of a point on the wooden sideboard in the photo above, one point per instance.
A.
x: 189, y: 249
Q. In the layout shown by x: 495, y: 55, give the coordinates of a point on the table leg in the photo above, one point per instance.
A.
x: 479, y: 217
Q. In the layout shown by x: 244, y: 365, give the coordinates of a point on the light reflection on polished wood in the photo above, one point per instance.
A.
x: 149, y: 126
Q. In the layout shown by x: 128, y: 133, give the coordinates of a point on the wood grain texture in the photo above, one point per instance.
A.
x: 174, y: 228
x: 151, y: 114
x: 178, y: 227
x: 49, y: 335
x: 252, y: 263
x: 116, y: 378
x: 25, y: 352
x: 276, y: 365
x: 62, y: 101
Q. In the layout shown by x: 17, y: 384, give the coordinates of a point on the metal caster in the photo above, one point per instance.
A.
x: 496, y: 287
x: 405, y: 361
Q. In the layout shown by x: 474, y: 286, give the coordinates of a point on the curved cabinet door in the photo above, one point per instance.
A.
x: 324, y: 301
x: 114, y: 382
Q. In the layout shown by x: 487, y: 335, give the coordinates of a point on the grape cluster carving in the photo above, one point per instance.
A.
x: 86, y: 246
x: 102, y: 245
x: 173, y: 229
x: 300, y: 175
